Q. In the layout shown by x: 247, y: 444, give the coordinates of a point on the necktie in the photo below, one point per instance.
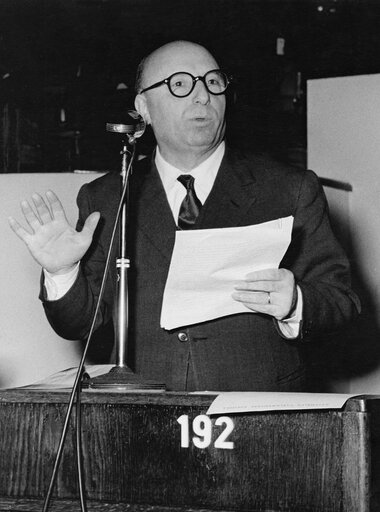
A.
x: 190, y: 206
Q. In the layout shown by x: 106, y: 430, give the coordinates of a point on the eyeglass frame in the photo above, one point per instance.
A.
x: 195, y: 80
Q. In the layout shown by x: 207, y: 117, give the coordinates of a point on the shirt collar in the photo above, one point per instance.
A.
x: 205, y: 173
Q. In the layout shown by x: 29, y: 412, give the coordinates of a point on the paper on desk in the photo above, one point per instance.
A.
x: 249, y: 401
x: 65, y: 379
x: 207, y: 262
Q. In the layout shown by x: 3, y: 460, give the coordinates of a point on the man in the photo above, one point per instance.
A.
x: 181, y: 93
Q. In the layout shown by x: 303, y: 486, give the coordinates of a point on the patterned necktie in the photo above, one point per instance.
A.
x: 190, y: 206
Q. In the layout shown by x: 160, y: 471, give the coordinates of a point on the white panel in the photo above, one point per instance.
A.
x: 344, y: 144
x: 29, y: 348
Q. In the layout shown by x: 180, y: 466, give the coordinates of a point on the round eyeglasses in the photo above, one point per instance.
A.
x: 181, y: 84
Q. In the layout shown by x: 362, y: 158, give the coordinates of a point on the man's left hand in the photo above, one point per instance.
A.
x: 269, y: 291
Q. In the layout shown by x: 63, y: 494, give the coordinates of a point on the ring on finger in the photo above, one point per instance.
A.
x: 269, y: 298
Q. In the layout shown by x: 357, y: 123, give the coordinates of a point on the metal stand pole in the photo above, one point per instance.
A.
x: 121, y: 307
x: 120, y: 377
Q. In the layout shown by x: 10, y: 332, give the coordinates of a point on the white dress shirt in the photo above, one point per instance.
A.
x: 204, y: 177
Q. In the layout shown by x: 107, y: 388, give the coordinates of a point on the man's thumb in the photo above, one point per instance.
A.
x: 91, y: 223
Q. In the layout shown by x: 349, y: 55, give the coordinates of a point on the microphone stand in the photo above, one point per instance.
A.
x: 120, y: 377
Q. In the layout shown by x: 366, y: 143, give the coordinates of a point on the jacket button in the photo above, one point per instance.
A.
x: 182, y: 336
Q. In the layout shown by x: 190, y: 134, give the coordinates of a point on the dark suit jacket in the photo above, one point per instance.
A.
x: 238, y: 352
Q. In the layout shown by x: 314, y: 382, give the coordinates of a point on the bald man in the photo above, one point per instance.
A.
x: 195, y: 181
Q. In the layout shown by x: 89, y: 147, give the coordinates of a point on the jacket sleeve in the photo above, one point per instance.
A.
x: 71, y: 315
x: 320, y: 266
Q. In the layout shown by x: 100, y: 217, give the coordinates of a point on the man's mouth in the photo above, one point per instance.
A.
x: 200, y: 119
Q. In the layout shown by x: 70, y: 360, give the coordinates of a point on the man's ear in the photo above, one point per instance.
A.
x: 142, y: 108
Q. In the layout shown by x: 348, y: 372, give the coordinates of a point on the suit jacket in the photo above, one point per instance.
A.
x: 239, y: 352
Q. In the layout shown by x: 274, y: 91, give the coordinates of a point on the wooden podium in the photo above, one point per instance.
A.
x: 159, y: 452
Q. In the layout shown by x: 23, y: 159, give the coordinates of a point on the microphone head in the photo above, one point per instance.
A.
x: 133, y: 126
x: 120, y: 128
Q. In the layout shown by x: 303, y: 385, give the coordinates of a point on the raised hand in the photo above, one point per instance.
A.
x: 51, y: 240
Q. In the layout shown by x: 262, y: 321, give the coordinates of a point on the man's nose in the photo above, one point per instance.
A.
x: 200, y: 93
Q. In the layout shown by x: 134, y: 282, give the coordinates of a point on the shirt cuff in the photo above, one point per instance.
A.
x: 58, y: 285
x: 290, y: 327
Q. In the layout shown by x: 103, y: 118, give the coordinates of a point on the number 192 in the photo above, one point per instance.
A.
x: 202, y: 429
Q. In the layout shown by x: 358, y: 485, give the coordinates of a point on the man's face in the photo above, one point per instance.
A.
x: 194, y: 123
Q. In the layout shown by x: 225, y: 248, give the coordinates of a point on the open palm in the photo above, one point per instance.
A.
x: 51, y: 240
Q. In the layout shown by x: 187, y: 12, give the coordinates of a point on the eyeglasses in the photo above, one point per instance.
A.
x: 182, y: 84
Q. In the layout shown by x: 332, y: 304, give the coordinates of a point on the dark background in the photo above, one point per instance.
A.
x: 70, y: 55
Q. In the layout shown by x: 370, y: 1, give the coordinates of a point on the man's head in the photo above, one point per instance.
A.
x: 184, y: 126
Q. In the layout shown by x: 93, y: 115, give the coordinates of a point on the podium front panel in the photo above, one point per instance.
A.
x: 160, y: 451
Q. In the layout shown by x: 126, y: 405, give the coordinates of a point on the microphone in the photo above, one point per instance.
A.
x: 134, y: 126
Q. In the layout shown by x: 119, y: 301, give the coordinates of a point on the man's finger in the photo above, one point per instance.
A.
x: 42, y: 209
x: 18, y: 229
x: 266, y: 309
x: 55, y: 205
x: 257, y: 286
x: 268, y: 274
x: 253, y: 298
x: 30, y: 216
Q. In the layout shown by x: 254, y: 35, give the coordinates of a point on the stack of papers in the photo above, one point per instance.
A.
x: 233, y: 402
x: 65, y: 378
x: 206, y: 264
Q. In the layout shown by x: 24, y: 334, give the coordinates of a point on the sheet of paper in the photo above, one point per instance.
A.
x: 207, y: 262
x: 239, y: 402
x: 65, y: 378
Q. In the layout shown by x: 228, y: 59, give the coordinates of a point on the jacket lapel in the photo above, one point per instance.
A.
x: 154, y: 216
x: 233, y: 194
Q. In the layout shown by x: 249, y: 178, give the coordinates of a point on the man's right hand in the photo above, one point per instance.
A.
x: 52, y: 241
